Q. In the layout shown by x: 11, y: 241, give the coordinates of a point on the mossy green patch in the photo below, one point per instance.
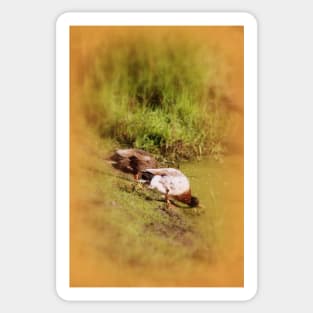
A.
x: 163, y: 95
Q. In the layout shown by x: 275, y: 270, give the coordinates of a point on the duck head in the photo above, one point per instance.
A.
x: 194, y: 202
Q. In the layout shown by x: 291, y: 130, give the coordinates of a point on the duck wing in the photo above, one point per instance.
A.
x: 135, y: 154
x: 121, y: 161
x: 124, y: 153
x: 165, y: 172
x: 166, y: 180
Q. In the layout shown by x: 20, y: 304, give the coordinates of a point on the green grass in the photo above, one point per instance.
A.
x: 163, y: 96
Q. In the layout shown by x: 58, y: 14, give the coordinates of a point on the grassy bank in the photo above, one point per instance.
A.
x: 162, y: 94
x: 122, y: 235
x: 130, y: 225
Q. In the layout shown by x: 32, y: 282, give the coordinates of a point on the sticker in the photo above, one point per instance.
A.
x: 156, y: 137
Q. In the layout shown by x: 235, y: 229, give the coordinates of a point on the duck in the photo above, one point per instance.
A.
x: 133, y: 161
x: 170, y: 182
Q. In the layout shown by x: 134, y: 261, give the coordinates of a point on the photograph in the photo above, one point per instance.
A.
x: 156, y: 156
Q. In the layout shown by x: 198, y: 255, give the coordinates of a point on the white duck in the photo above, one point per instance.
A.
x: 170, y: 182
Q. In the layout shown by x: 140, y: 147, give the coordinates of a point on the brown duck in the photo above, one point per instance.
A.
x: 133, y: 161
